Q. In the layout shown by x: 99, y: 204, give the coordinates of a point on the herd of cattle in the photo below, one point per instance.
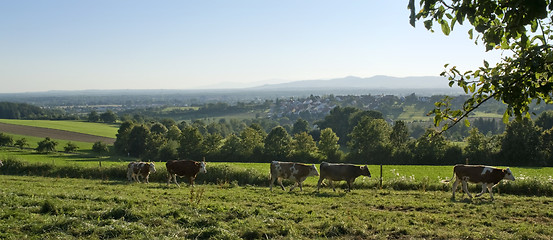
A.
x: 298, y: 172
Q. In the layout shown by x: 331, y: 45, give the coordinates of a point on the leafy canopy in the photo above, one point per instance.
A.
x: 521, y: 28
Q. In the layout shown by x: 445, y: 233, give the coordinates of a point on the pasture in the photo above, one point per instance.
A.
x: 66, y: 208
x: 71, y: 196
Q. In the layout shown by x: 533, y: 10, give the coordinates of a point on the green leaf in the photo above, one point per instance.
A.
x: 486, y: 64
x: 467, y: 123
x: 534, y: 26
x: 470, y: 34
x: 428, y: 24
x: 445, y: 27
x: 506, y: 117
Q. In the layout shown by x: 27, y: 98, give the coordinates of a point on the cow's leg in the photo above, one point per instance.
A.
x: 295, y: 185
x: 465, y: 188
x: 191, y: 181
x: 272, y: 182
x: 169, y: 177
x: 147, y: 178
x: 319, y: 183
x: 175, y: 180
x: 454, y: 189
x: 490, y: 189
x: 332, y: 185
x: 129, y: 175
x: 280, y: 182
x: 484, y: 186
x: 350, y: 184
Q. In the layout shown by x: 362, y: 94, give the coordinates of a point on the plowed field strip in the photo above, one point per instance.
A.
x: 53, y: 133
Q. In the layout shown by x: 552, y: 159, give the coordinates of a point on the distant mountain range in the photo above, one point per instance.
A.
x: 351, y: 82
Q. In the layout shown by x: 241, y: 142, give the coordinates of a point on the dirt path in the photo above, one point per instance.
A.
x: 53, y: 133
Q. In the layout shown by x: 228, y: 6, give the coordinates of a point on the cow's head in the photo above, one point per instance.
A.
x: 508, y: 174
x: 365, y: 171
x: 202, y: 167
x: 152, y: 167
x: 313, y: 171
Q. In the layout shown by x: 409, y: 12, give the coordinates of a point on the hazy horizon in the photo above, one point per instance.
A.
x: 81, y: 45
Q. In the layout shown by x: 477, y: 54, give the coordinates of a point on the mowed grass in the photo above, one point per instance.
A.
x: 63, y: 208
x: 98, y: 129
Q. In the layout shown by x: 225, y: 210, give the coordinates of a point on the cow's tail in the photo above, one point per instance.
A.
x: 447, y: 181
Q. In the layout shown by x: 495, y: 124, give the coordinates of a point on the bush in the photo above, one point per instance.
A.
x: 70, y: 147
x: 100, y: 147
x: 47, y: 145
x: 5, y: 140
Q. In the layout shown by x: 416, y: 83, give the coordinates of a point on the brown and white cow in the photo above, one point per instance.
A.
x: 485, y: 175
x: 341, y: 172
x: 297, y: 172
x: 135, y: 170
x: 184, y: 168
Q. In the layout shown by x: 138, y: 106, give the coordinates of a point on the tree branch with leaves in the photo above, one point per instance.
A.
x: 523, y: 28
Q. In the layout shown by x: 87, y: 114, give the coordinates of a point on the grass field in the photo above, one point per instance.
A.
x: 65, y: 208
x: 33, y: 142
x: 98, y: 129
x: 84, y: 196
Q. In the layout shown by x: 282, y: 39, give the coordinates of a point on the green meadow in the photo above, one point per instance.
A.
x: 85, y: 196
x: 68, y: 208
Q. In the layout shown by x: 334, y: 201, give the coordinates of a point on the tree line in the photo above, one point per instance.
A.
x: 345, y: 135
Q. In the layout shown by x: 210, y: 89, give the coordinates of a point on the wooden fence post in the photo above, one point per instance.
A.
x: 380, y: 176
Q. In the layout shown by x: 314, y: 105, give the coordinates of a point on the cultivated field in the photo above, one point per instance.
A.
x: 63, y: 130
x: 42, y: 208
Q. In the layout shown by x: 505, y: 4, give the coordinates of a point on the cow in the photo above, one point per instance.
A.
x: 341, y: 172
x: 137, y: 169
x: 487, y: 176
x: 184, y: 168
x: 297, y: 172
x: 1, y: 164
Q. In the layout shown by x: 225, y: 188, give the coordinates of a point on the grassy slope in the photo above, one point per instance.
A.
x: 38, y: 208
x: 98, y: 129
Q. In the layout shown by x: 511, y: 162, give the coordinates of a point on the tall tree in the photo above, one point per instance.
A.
x: 190, y: 144
x: 277, y: 144
x: 520, y: 144
x: 399, y: 135
x: 300, y: 126
x: 545, y: 120
x: 329, y: 147
x: 370, y: 141
x: 121, y: 144
x: 137, y: 140
x: 522, y: 27
x: 304, y: 148
x: 339, y: 120
x: 251, y: 139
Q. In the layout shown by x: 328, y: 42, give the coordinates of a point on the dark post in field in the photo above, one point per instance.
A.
x: 380, y: 176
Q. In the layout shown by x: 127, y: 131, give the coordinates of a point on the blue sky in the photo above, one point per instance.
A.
x: 77, y: 45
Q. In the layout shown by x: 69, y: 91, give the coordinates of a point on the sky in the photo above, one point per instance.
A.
x: 170, y: 44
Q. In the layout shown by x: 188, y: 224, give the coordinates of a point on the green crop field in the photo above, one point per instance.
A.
x: 66, y: 208
x: 98, y: 129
